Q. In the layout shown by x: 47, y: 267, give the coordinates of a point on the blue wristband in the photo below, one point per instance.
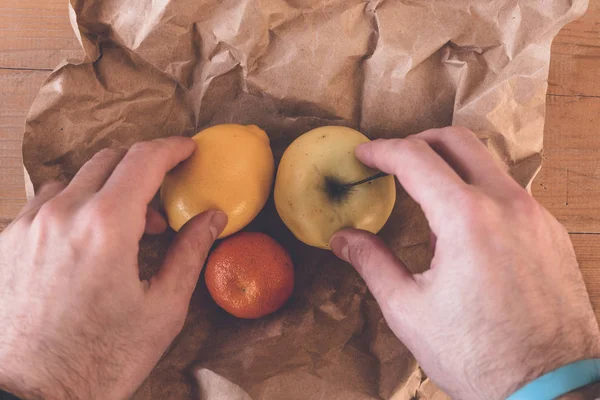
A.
x: 559, y: 382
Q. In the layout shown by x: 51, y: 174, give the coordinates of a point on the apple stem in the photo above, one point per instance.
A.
x: 369, y: 179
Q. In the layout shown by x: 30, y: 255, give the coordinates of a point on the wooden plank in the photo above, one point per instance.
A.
x: 569, y: 183
x: 18, y: 89
x: 587, y: 248
x: 575, y: 64
x: 35, y: 34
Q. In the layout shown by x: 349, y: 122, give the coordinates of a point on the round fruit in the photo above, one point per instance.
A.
x: 231, y: 170
x: 250, y: 275
x: 312, y: 195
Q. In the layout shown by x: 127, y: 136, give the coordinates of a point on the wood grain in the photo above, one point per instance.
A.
x: 35, y: 34
x: 17, y: 91
x: 569, y: 182
x: 575, y: 63
x: 587, y: 248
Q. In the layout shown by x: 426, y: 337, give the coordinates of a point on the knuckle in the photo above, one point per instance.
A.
x: 105, y: 153
x: 161, y: 142
x: 360, y: 253
x: 98, y: 213
x: 524, y: 205
x: 193, y: 248
x: 144, y: 147
x: 99, y: 222
x: 410, y: 145
x: 393, y: 303
x: 51, y: 217
x: 460, y: 131
x: 471, y: 199
x: 477, y: 209
x: 434, y: 135
x: 52, y: 211
x: 20, y: 225
x: 561, y: 230
x: 108, y: 153
x: 51, y: 186
x: 177, y: 319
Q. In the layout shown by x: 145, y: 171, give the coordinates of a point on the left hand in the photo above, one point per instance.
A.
x: 77, y: 322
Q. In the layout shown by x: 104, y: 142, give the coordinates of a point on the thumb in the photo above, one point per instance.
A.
x: 187, y: 254
x: 387, y: 277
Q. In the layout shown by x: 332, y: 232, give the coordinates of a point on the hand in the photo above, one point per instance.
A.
x: 504, y: 301
x: 77, y: 322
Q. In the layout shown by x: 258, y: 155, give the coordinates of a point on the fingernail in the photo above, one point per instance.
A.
x: 339, y: 245
x: 218, y: 222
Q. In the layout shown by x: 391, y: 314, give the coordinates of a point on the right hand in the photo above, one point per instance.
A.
x: 504, y: 301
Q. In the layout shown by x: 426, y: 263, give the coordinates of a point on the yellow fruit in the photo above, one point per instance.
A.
x: 231, y: 170
x: 311, y: 193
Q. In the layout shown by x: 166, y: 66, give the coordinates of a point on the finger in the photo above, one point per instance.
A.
x: 432, y: 241
x: 468, y: 156
x: 137, y: 178
x: 155, y: 222
x: 386, y: 276
x: 93, y: 175
x: 426, y: 177
x: 46, y: 192
x: 187, y: 254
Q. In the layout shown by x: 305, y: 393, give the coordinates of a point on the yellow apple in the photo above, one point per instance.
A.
x: 312, y: 192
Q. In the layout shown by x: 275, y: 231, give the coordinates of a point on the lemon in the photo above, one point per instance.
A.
x: 231, y: 170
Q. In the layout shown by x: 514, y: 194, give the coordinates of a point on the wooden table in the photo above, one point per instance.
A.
x: 36, y: 35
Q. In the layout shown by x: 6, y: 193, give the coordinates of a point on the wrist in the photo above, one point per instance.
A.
x: 40, y: 372
x: 42, y: 368
x: 541, y: 361
x: 591, y: 391
x: 561, y: 382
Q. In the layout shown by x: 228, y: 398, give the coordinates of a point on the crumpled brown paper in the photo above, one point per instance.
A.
x: 388, y: 68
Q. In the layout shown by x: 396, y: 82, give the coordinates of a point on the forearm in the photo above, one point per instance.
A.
x: 33, y: 386
x: 33, y: 370
x: 586, y: 393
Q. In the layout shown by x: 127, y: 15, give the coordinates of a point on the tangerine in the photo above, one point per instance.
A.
x: 250, y: 275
